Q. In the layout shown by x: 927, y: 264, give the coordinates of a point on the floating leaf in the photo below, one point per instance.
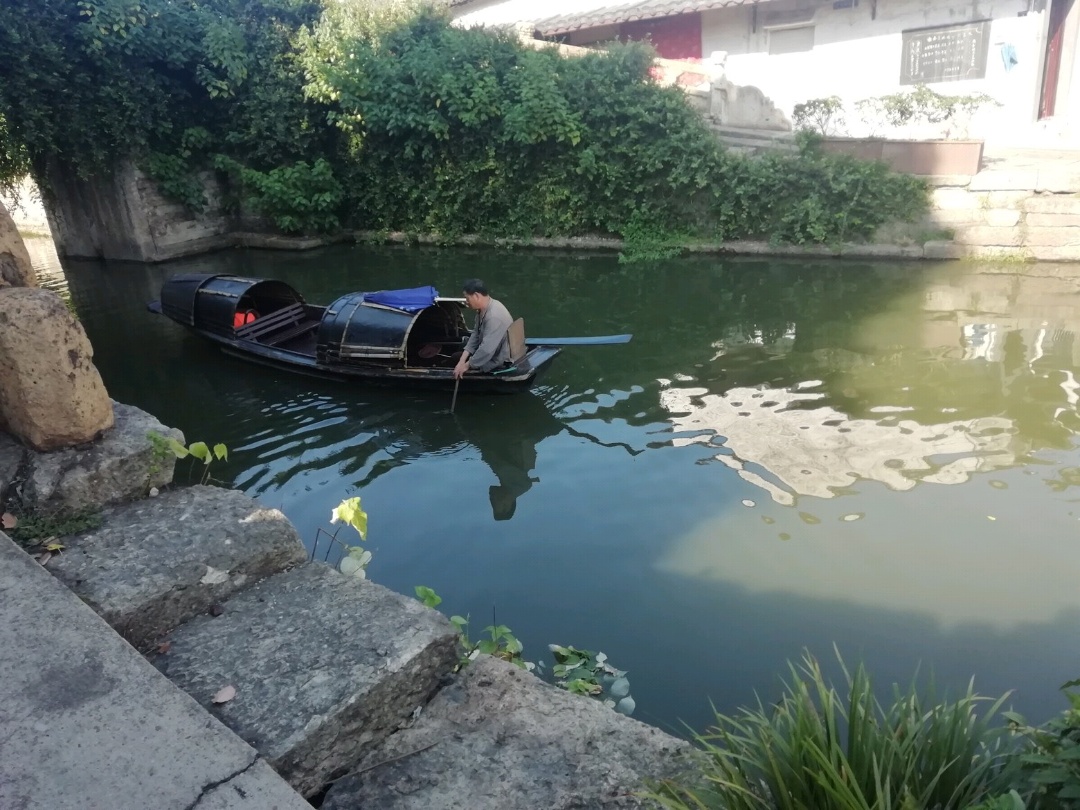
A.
x: 352, y: 566
x: 221, y: 452
x: 620, y: 689
x: 626, y: 706
x: 8, y: 520
x: 428, y: 596
x: 225, y: 694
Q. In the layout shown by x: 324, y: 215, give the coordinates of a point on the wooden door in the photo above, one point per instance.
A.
x: 1059, y: 10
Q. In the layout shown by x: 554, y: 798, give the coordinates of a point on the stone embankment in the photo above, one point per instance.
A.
x: 345, y: 688
x: 1028, y: 214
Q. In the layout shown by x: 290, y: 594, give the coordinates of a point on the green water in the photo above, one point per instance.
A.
x: 878, y: 457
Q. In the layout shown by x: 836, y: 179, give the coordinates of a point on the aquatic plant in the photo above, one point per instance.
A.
x: 815, y: 748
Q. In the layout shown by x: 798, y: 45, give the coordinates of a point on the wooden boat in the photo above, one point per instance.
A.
x: 393, y: 337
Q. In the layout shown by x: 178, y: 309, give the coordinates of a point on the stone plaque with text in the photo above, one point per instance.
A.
x: 945, y: 54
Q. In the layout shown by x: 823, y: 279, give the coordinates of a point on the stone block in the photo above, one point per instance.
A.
x: 1006, y: 199
x: 1001, y: 217
x: 1005, y: 180
x: 1053, y: 204
x: 947, y: 180
x: 953, y: 217
x: 989, y: 235
x: 120, y: 466
x: 944, y: 250
x: 324, y: 666
x: 1055, y: 254
x: 159, y: 562
x: 499, y: 737
x: 88, y: 724
x: 51, y: 394
x: 998, y: 253
x: 1052, y: 237
x: 1058, y: 182
x: 949, y: 199
x: 1053, y: 220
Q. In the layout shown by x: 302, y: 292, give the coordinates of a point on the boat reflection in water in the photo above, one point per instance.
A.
x: 365, y: 440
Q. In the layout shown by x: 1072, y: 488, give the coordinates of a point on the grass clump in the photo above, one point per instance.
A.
x: 36, y: 529
x: 816, y: 749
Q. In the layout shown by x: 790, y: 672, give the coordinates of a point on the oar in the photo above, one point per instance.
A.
x: 453, y: 402
x: 596, y: 340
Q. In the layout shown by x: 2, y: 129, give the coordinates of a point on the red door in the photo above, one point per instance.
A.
x: 1059, y: 10
x: 673, y: 37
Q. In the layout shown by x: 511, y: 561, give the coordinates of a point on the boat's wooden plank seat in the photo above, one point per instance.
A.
x: 278, y: 327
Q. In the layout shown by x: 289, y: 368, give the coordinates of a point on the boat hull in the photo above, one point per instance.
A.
x: 536, y: 362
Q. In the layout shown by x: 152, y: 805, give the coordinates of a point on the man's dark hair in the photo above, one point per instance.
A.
x: 474, y: 285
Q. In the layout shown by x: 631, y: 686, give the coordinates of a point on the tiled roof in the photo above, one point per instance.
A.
x: 627, y: 12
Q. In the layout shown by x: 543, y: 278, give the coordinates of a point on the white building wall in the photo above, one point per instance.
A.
x: 856, y: 57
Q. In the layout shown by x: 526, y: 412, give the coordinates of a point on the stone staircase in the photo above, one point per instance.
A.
x: 332, y: 673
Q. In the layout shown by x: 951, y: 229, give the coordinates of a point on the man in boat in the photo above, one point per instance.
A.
x: 488, y: 347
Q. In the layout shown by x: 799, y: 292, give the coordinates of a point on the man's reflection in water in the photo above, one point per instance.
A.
x: 506, y: 431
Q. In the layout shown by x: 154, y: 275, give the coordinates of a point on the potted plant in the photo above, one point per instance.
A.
x: 921, y: 110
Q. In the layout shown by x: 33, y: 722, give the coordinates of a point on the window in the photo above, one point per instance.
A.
x: 791, y: 40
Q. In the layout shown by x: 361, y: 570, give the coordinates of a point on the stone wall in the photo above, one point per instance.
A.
x: 991, y: 218
x: 125, y: 217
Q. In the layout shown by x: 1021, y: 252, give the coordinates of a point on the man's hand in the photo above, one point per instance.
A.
x: 460, y: 369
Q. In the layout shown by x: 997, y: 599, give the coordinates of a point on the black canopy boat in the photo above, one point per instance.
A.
x: 388, y: 337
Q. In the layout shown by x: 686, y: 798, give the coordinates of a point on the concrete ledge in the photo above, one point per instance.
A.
x: 159, y: 562
x: 501, y: 738
x: 87, y: 723
x: 325, y: 667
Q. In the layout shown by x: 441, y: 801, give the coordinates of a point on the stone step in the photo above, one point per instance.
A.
x: 88, y: 723
x: 324, y: 666
x: 498, y: 738
x: 158, y: 562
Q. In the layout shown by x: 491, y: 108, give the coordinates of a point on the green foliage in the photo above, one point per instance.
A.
x: 36, y: 529
x: 814, y: 197
x: 165, y: 447
x: 584, y: 672
x: 816, y: 748
x: 385, y: 117
x: 428, y: 596
x: 301, y: 198
x: 1051, y: 761
x: 924, y: 106
x: 821, y: 115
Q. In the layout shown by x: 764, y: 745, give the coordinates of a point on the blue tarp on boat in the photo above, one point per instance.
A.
x: 411, y: 300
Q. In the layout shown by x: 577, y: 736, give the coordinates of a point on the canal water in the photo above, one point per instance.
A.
x: 878, y: 459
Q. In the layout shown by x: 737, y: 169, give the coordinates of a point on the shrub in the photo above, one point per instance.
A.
x: 815, y: 749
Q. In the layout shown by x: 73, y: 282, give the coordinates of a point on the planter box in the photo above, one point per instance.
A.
x: 913, y: 157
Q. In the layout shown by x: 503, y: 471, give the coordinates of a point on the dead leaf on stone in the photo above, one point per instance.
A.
x: 45, y: 557
x: 55, y: 547
x: 213, y: 576
x: 8, y: 520
x: 164, y: 647
x: 225, y: 694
